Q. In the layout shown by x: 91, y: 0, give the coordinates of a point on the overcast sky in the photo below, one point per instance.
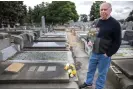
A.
x: 121, y: 9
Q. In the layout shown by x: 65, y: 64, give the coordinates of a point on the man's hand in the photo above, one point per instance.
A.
x: 105, y: 55
x: 90, y: 43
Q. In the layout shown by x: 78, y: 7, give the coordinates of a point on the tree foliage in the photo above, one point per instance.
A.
x: 94, y: 13
x: 57, y: 12
x: 12, y: 12
x: 130, y: 17
x: 83, y: 17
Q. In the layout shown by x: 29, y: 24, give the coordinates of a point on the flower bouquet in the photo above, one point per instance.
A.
x: 70, y: 68
x: 92, y: 34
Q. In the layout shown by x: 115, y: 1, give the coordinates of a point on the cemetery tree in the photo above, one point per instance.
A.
x: 94, y: 13
x: 130, y: 17
x: 83, y: 17
x: 29, y: 16
x: 39, y: 11
x: 60, y: 12
x: 34, y: 15
x: 12, y: 12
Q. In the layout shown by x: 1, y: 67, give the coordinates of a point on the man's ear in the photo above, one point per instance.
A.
x: 111, y: 9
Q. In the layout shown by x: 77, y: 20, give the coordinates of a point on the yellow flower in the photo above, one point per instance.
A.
x: 74, y: 72
x: 71, y: 75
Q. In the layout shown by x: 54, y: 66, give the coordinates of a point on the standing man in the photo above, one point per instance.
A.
x: 107, y: 43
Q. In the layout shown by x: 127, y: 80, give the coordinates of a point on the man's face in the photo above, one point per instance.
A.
x: 105, y: 11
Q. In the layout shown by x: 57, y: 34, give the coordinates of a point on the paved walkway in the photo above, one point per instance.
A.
x: 82, y: 60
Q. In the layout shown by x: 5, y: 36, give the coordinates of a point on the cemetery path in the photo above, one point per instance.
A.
x: 81, y: 59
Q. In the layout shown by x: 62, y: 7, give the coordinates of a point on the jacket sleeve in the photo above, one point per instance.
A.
x: 116, y: 42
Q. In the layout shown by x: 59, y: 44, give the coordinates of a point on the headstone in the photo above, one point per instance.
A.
x: 43, y: 22
x: 129, y: 25
x: 8, y: 27
x: 18, y: 40
x: 43, y: 25
x: 128, y: 35
x: 4, y: 41
x: 7, y: 52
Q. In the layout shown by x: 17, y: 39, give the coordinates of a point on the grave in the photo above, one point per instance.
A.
x: 51, y: 39
x: 129, y: 25
x: 123, y: 53
x: 121, y: 74
x: 42, y: 55
x: 125, y: 66
x: 60, y: 34
x: 6, y: 48
x: 57, y: 39
x: 35, y: 73
x: 45, y: 46
x: 8, y: 52
x: 4, y: 40
x: 26, y: 42
x: 118, y: 79
x: 128, y: 35
x: 59, y: 28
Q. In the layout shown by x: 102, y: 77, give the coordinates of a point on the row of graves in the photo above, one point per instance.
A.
x: 127, y: 25
x: 35, y: 60
x: 121, y: 70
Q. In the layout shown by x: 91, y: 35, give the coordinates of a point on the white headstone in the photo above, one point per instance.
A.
x: 43, y: 22
x: 43, y: 26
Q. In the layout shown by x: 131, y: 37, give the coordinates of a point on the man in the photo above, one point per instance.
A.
x: 107, y: 43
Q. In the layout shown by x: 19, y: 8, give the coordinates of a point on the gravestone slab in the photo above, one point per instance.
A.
x: 4, y: 35
x: 123, y: 53
x: 125, y: 66
x: 47, y: 44
x: 4, y: 43
x: 56, y: 74
x: 47, y: 39
x: 7, y: 52
x: 129, y: 25
x: 42, y: 55
x: 53, y: 36
x: 128, y: 35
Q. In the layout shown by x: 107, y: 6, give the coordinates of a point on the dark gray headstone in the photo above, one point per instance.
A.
x: 4, y: 43
x: 4, y: 35
x: 128, y: 35
x: 125, y: 66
